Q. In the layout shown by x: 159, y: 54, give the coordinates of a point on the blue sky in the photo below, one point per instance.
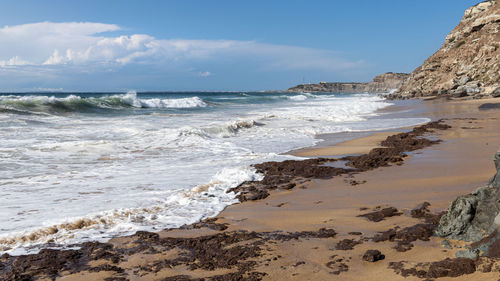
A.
x: 214, y: 45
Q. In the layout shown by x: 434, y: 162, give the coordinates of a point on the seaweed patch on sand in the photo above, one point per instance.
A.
x: 288, y: 174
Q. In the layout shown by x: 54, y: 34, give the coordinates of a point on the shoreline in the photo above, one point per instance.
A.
x: 359, y: 142
x: 299, y: 210
x: 396, y: 110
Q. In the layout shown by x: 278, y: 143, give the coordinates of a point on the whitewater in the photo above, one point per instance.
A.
x: 91, y: 166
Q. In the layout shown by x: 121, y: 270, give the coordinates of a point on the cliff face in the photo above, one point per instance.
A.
x: 468, y: 63
x: 382, y: 83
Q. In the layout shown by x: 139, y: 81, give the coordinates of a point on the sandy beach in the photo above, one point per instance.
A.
x: 313, y: 230
x: 247, y: 141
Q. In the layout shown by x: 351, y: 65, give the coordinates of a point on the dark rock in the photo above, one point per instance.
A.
x: 337, y: 265
x: 405, y: 236
x: 494, y: 249
x: 421, y: 211
x: 403, y: 246
x: 489, y: 245
x: 444, y: 268
x: 495, y: 180
x: 459, y: 216
x: 347, y: 244
x: 469, y: 254
x: 381, y: 214
x: 373, y: 256
x: 106, y: 267
x: 47, y: 262
x: 459, y: 92
x: 145, y: 236
x: 207, y: 223
x: 486, y: 106
x: 451, y: 268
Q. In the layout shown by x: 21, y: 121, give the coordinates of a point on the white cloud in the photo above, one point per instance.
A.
x: 13, y: 61
x: 205, y: 74
x: 83, y: 44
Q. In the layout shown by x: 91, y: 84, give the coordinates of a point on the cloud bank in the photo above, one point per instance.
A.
x: 48, y: 47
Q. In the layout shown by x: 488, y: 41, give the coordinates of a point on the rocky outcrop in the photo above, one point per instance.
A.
x: 382, y: 83
x: 468, y: 63
x: 474, y: 216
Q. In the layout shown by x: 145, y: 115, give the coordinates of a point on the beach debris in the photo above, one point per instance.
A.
x: 337, y: 264
x: 288, y: 174
x: 395, y: 146
x: 207, y: 223
x: 421, y: 211
x: 354, y: 182
x: 224, y: 250
x: 405, y: 236
x: 373, y: 256
x: 347, y: 244
x: 380, y: 215
x: 444, y: 268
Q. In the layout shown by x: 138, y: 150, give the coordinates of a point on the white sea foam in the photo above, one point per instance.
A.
x: 131, y: 99
x: 298, y: 97
x: 175, y: 208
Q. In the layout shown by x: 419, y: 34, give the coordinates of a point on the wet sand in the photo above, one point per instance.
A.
x: 287, y: 241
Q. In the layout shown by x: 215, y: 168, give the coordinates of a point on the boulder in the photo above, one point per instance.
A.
x: 474, y: 216
x: 373, y: 256
x: 496, y: 93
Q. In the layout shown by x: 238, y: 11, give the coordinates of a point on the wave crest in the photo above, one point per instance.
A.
x: 131, y: 99
x: 73, y: 103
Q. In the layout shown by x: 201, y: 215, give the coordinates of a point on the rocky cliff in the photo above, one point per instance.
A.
x: 468, y: 63
x: 382, y: 83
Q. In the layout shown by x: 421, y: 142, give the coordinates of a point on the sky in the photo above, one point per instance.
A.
x: 217, y: 45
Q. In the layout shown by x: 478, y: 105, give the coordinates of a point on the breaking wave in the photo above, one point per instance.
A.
x: 73, y: 103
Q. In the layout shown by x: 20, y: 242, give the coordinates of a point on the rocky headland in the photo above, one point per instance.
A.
x: 382, y: 83
x: 467, y: 64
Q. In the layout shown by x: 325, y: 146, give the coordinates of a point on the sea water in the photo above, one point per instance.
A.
x: 91, y: 166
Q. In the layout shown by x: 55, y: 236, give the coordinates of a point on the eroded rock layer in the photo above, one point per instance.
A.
x: 467, y: 64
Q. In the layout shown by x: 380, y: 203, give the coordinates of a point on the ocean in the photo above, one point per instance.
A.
x: 77, y: 167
